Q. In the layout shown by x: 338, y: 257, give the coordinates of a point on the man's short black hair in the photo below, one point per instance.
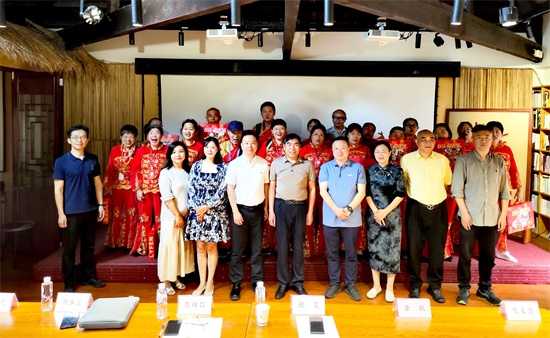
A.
x: 409, y: 119
x: 497, y: 124
x: 394, y: 129
x: 341, y: 138
x: 267, y: 104
x: 128, y: 129
x: 249, y: 133
x: 369, y: 124
x: 481, y: 127
x: 278, y: 122
x: 292, y: 136
x: 78, y: 127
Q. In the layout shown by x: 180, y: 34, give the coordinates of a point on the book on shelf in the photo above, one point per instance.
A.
x: 536, y: 118
x: 537, y: 98
x: 545, y: 95
x: 535, y: 200
x: 544, y: 207
x: 536, y: 161
x: 535, y: 138
x: 536, y: 183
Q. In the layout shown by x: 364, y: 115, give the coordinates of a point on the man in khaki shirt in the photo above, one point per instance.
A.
x: 479, y: 182
x: 292, y: 180
x: 426, y: 175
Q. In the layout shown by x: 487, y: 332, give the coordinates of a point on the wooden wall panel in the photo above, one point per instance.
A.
x: 492, y: 88
x: 104, y: 106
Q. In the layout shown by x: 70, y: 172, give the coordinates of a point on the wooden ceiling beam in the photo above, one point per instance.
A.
x: 435, y: 16
x: 155, y: 13
x: 291, y: 18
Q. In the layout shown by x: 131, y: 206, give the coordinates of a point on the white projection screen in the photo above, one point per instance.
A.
x: 384, y: 101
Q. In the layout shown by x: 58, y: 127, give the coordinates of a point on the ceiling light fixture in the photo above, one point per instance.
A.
x: 181, y: 38
x: 529, y: 30
x: 329, y: 12
x: 438, y: 40
x: 137, y: 18
x: 131, y: 39
x: 508, y: 15
x: 458, y: 44
x: 260, y: 39
x: 469, y: 44
x: 418, y: 40
x: 92, y: 15
x: 308, y: 39
x: 3, y: 14
x: 236, y: 13
x: 458, y: 11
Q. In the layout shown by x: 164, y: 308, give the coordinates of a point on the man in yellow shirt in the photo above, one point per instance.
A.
x: 426, y: 175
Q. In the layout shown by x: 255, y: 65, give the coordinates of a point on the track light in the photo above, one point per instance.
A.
x: 458, y: 44
x: 308, y: 39
x: 137, y: 19
x: 2, y: 13
x: 418, y: 40
x: 529, y: 29
x: 458, y: 11
x: 131, y: 39
x: 438, y: 40
x: 235, y: 13
x: 329, y: 12
x: 469, y: 44
x: 261, y: 39
x: 181, y: 38
x: 508, y: 15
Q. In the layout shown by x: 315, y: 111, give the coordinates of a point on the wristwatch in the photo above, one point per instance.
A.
x: 350, y: 209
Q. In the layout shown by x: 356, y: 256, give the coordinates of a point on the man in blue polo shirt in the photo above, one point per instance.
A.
x: 79, y: 199
x: 342, y: 184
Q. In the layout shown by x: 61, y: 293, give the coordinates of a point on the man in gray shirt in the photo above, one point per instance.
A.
x: 479, y: 183
x: 292, y: 180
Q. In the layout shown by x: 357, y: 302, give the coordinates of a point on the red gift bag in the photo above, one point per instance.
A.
x: 107, y: 208
x: 520, y: 217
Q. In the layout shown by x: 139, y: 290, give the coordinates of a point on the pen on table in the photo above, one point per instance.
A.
x: 162, y: 329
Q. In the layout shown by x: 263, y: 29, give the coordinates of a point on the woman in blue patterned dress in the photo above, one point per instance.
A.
x: 385, y: 190
x: 208, y: 222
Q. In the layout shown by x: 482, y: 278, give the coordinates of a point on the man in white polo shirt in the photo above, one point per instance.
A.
x: 247, y: 181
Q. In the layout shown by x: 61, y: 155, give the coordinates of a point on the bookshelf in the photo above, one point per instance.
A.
x: 540, y: 173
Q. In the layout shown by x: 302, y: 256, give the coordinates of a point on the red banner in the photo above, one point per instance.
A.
x: 399, y: 149
x: 450, y: 149
x: 218, y: 131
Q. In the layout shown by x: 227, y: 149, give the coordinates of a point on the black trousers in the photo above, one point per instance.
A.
x: 251, y: 229
x: 333, y: 236
x: 79, y: 226
x: 290, y: 228
x: 422, y: 224
x: 487, y: 238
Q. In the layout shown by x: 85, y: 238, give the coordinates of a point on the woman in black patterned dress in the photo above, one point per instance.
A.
x: 385, y: 190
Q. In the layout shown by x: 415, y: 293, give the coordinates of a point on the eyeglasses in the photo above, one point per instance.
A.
x: 341, y: 118
x: 81, y: 138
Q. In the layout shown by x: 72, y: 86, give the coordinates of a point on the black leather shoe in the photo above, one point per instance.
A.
x: 235, y: 293
x: 69, y: 288
x: 299, y: 290
x: 436, y: 295
x: 96, y: 283
x: 415, y: 293
x: 254, y: 284
x: 448, y: 259
x: 281, y: 291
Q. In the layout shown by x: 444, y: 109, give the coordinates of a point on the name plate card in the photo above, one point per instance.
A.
x: 307, y: 305
x: 412, y: 308
x: 73, y: 302
x: 520, y: 310
x: 8, y: 301
x: 195, y: 305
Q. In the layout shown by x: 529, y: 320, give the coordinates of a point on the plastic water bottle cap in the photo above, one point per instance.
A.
x: 260, y: 284
x: 47, y: 279
x: 162, y: 286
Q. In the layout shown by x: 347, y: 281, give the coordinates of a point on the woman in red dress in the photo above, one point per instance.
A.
x: 464, y: 131
x: 145, y: 171
x: 319, y: 153
x: 272, y: 149
x: 123, y: 223
x: 190, y: 132
x: 263, y: 129
x: 514, y: 182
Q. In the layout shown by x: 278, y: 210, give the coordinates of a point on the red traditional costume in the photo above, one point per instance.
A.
x: 514, y: 182
x: 123, y: 223
x: 229, y: 151
x: 145, y: 172
x: 263, y: 134
x: 195, y: 151
x: 270, y: 151
x: 315, y: 244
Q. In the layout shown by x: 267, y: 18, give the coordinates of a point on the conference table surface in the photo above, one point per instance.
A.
x: 239, y: 320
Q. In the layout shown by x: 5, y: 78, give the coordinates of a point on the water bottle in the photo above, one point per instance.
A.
x: 260, y: 293
x: 47, y: 294
x: 162, y: 302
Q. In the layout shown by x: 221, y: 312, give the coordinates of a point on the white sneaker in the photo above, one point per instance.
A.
x: 505, y: 255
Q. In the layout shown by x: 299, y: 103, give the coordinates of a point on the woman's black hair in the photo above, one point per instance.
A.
x: 497, y: 124
x: 381, y: 143
x: 218, y: 156
x: 317, y: 122
x: 354, y: 126
x: 317, y: 127
x: 195, y: 125
x: 148, y: 128
x: 168, y: 163
x: 446, y: 126
x: 463, y: 123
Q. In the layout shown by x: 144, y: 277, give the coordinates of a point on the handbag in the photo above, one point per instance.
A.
x: 520, y: 217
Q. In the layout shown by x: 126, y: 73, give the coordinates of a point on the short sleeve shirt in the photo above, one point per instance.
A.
x: 79, y: 187
x: 292, y: 178
x: 249, y: 178
x: 342, y: 188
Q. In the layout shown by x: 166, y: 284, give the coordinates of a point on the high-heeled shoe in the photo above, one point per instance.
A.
x: 209, y: 293
x: 198, y: 292
x: 180, y: 285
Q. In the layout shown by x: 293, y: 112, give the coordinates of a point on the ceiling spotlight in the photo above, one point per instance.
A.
x: 137, y: 18
x: 458, y: 11
x: 92, y: 15
x: 329, y: 12
x: 508, y: 15
x: 438, y: 40
x: 181, y: 38
x: 131, y: 39
x: 3, y: 14
x: 308, y: 39
x: 469, y: 44
x: 458, y: 44
x: 260, y: 39
x: 235, y: 13
x: 529, y: 30
x: 418, y: 40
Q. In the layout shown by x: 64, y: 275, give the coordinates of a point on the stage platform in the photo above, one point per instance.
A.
x: 533, y: 267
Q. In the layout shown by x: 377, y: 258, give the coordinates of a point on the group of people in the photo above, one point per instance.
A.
x: 269, y: 189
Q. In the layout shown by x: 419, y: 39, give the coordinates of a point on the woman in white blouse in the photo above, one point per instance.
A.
x: 175, y: 256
